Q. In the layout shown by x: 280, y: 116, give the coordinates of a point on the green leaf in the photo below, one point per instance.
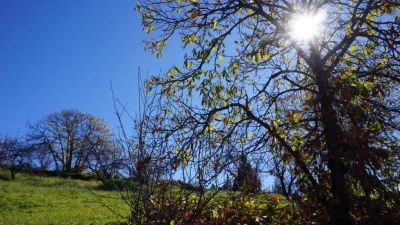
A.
x: 348, y: 30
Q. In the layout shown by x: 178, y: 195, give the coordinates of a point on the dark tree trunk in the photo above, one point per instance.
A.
x: 340, y: 213
x: 12, y: 167
x: 68, y: 167
x: 70, y: 151
x: 55, y: 162
x: 12, y: 171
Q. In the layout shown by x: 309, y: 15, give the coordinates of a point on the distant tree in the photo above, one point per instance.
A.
x: 71, y: 138
x: 107, y: 159
x: 246, y: 179
x: 227, y: 186
x: 13, y: 154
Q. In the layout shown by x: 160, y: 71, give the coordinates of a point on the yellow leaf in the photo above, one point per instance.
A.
x: 297, y: 116
x: 215, y: 24
x: 353, y: 48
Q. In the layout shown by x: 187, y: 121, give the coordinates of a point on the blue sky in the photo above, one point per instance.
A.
x: 59, y: 54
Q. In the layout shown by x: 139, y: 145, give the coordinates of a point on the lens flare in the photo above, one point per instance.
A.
x: 307, y: 26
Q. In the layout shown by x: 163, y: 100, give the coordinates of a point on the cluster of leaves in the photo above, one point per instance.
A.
x: 258, y: 209
x: 172, y: 206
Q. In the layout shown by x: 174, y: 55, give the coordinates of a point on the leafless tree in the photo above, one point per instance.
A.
x: 14, y: 153
x: 71, y: 138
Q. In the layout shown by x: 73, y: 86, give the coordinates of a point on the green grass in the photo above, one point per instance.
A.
x: 49, y: 200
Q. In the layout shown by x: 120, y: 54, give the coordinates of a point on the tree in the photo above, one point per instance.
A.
x: 143, y: 159
x: 246, y: 179
x: 330, y: 101
x: 71, y: 138
x: 14, y: 154
x: 106, y: 159
x: 284, y: 175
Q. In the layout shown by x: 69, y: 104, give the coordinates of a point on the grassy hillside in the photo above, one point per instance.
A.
x: 49, y: 200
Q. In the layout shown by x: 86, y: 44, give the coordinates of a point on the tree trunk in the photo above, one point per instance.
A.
x: 70, y: 151
x: 340, y: 213
x: 68, y: 167
x: 55, y: 161
x: 12, y: 171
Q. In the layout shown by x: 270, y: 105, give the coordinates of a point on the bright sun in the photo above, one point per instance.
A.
x: 307, y: 26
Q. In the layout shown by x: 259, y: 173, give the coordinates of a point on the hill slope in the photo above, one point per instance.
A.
x: 49, y: 200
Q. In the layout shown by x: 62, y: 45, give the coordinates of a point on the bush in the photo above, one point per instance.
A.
x: 231, y: 208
